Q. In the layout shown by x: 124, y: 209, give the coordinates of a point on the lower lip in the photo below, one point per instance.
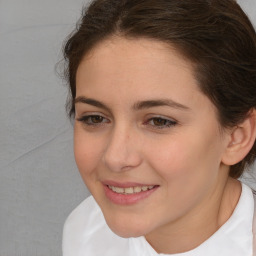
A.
x: 127, y: 199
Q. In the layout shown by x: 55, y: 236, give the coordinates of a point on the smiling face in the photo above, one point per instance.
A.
x: 144, y: 130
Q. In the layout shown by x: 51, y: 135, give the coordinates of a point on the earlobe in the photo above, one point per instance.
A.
x: 242, y: 138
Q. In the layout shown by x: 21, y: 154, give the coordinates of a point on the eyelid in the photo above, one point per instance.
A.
x: 152, y: 116
x: 86, y: 116
x: 171, y: 122
x: 90, y: 113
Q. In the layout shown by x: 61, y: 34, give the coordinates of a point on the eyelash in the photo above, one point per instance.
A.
x: 87, y: 120
x: 167, y: 122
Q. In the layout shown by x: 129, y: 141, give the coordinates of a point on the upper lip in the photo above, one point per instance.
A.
x: 125, y: 184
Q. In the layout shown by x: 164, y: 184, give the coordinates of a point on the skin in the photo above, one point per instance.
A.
x: 182, y: 155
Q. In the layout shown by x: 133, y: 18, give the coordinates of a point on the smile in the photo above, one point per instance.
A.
x: 128, y: 193
x: 130, y: 190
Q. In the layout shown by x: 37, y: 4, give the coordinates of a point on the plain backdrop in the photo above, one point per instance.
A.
x: 39, y: 181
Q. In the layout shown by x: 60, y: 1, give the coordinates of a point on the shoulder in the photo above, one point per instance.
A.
x: 86, y: 233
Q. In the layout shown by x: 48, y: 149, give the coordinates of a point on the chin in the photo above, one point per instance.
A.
x: 126, y: 233
x: 127, y: 229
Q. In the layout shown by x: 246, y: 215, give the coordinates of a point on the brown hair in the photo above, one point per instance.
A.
x: 215, y: 35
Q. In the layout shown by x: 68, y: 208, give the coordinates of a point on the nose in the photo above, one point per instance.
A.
x: 122, y: 151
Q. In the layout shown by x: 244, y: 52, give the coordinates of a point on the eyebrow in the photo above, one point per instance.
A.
x: 158, y: 103
x: 137, y: 106
x: 92, y: 102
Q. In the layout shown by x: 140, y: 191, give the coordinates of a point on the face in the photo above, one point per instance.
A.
x: 147, y: 141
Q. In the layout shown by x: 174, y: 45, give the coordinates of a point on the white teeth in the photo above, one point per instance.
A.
x: 118, y: 190
x: 130, y: 190
x: 137, y: 189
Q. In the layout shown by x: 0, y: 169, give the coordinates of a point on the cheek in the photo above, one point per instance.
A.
x: 87, y: 151
x: 186, y: 161
x: 187, y: 169
x: 170, y: 156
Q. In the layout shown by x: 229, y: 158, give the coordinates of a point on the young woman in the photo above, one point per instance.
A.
x: 163, y: 94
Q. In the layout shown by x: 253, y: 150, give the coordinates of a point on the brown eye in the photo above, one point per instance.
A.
x: 96, y: 119
x: 159, y: 121
x: 93, y: 120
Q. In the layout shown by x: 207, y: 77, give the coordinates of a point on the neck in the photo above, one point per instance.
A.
x: 189, y: 231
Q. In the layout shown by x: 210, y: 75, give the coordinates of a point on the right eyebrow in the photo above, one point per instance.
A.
x: 92, y: 102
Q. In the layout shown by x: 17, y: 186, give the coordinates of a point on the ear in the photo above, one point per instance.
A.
x: 241, y: 140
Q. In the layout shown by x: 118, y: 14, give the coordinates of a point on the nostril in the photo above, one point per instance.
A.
x: 120, y: 153
x: 121, y: 160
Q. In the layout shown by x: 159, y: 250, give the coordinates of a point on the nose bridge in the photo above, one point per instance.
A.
x: 121, y: 152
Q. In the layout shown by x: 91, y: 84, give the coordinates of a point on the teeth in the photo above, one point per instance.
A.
x: 144, y: 188
x: 137, y: 189
x: 118, y: 190
x: 130, y: 190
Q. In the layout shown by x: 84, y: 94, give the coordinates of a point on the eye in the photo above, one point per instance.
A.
x: 93, y: 120
x: 161, y: 123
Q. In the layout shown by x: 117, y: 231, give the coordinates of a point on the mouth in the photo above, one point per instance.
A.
x: 128, y: 193
x: 130, y: 190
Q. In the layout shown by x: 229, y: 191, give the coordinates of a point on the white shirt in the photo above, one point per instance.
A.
x: 87, y: 234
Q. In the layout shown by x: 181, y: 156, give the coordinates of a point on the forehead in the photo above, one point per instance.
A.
x: 135, y: 50
x: 133, y: 60
x: 144, y: 47
x: 120, y: 70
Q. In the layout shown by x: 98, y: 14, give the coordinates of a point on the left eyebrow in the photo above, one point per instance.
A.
x: 158, y: 103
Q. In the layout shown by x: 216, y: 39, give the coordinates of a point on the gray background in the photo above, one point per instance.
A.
x: 39, y: 182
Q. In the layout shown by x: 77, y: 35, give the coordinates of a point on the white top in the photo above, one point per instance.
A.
x: 87, y: 234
